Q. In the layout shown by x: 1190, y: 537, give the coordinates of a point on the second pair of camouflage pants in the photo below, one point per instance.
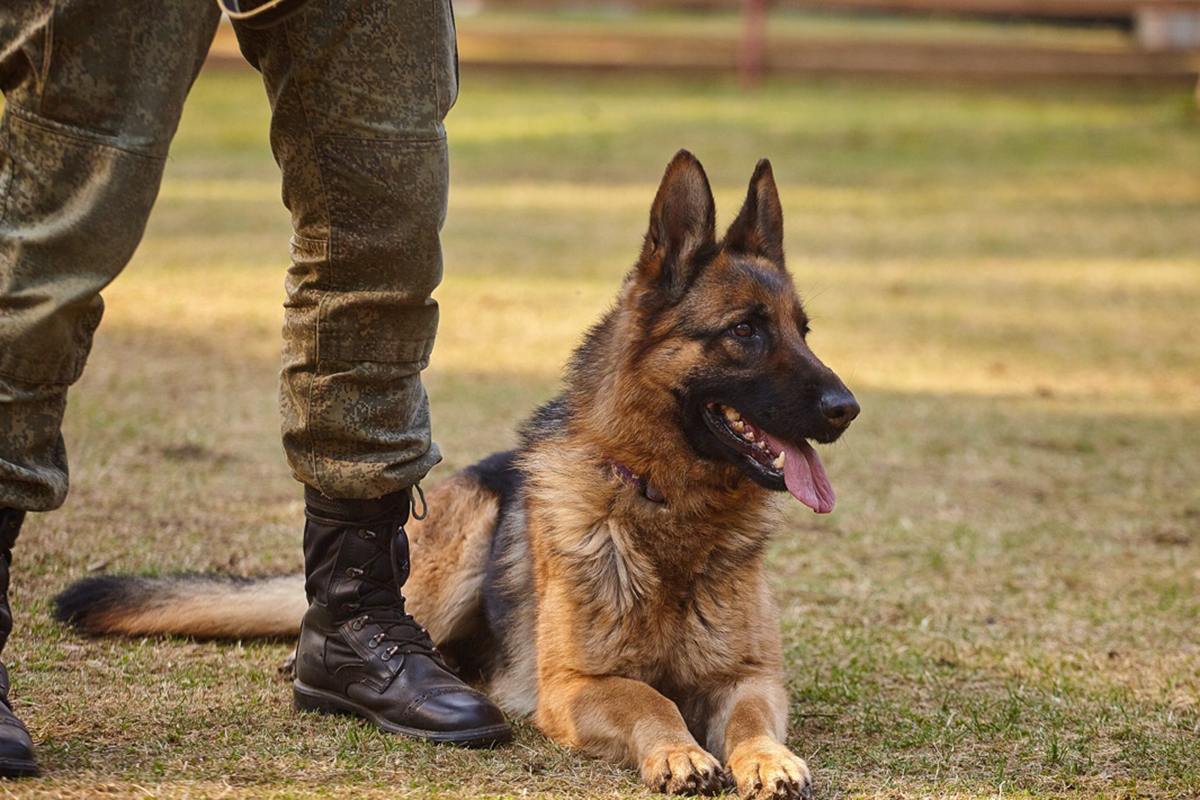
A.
x: 358, y: 90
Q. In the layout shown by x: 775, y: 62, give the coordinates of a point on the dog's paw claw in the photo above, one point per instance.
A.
x: 766, y: 770
x: 683, y: 769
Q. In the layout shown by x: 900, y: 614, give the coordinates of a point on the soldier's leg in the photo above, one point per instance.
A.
x: 359, y: 90
x: 93, y: 93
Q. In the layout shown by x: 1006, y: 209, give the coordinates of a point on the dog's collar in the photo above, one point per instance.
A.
x: 630, y: 477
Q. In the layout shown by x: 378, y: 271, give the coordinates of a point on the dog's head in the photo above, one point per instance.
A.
x: 721, y: 320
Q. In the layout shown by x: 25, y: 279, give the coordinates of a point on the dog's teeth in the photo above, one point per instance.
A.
x: 731, y: 414
x: 748, y: 434
x: 780, y: 460
x: 739, y: 426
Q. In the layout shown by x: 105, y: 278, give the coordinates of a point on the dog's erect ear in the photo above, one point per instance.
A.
x: 682, y: 223
x: 758, y: 229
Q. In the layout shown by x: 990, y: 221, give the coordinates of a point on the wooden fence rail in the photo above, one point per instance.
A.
x: 1112, y: 10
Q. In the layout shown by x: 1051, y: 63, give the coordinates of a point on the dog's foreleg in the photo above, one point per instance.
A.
x: 748, y: 726
x: 627, y: 720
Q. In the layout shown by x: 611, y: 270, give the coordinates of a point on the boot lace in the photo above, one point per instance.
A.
x: 383, y: 605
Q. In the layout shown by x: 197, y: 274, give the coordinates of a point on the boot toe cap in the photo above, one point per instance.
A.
x: 460, y: 713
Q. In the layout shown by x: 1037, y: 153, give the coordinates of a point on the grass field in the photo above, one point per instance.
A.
x: 1006, y: 602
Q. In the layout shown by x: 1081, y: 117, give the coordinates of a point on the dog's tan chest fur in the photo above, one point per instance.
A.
x: 645, y: 602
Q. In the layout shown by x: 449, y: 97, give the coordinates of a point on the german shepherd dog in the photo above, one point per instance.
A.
x: 606, y: 577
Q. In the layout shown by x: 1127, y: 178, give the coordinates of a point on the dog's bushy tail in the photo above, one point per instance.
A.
x: 201, y: 606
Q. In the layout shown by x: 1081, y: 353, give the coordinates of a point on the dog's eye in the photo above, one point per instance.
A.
x: 743, y: 330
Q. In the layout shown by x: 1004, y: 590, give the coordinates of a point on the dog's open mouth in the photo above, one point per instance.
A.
x: 794, y: 466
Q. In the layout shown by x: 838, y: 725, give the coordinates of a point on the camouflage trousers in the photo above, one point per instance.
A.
x: 358, y: 91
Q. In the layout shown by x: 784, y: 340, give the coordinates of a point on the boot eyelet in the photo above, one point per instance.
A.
x: 353, y: 572
x: 368, y: 535
x: 387, y: 654
x: 354, y: 606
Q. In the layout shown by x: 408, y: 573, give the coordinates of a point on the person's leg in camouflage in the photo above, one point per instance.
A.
x: 358, y: 92
x: 93, y: 95
x: 16, y: 747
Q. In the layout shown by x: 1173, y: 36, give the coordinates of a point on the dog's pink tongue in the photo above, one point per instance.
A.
x: 805, y: 475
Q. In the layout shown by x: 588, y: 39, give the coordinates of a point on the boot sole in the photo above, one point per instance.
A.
x: 306, y: 698
x: 14, y: 768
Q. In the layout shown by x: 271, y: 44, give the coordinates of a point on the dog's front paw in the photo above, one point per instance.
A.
x: 766, y: 770
x: 683, y: 769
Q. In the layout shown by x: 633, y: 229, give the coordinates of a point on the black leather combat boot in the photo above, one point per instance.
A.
x: 16, y: 748
x: 360, y: 653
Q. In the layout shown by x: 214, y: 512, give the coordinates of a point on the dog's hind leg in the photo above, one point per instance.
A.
x: 449, y: 553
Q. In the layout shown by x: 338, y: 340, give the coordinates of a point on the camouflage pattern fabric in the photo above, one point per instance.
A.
x: 358, y: 89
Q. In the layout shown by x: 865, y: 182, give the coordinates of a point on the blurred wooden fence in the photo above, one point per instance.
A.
x: 1046, y: 9
x: 1164, y: 45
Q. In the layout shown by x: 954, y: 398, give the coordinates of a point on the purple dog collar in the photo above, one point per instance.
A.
x: 633, y: 479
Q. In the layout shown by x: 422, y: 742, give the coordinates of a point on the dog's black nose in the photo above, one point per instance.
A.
x: 839, y: 407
